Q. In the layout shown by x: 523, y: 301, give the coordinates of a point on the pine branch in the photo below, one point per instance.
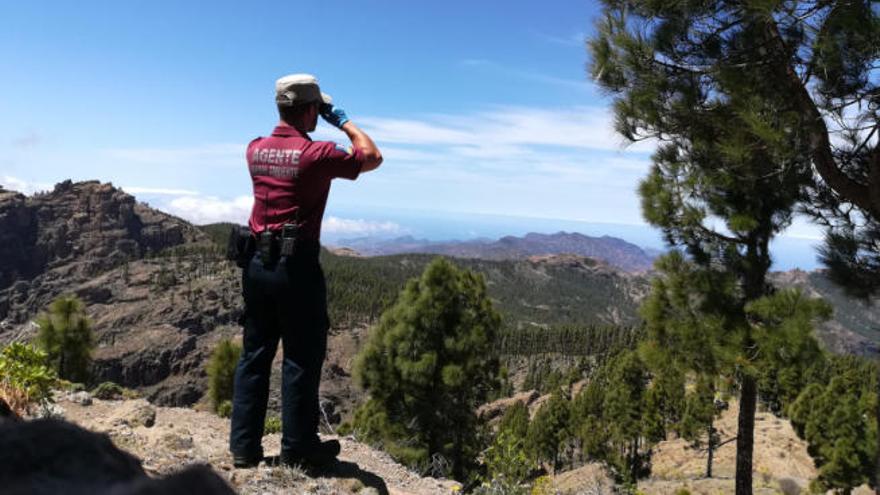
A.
x: 823, y: 159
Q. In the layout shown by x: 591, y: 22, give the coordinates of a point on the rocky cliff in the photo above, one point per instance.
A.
x: 74, y: 232
x: 96, y: 242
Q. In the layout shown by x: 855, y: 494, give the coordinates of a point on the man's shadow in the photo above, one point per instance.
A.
x: 342, y: 469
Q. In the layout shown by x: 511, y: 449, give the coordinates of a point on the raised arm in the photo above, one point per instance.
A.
x: 336, y: 117
x: 361, y: 141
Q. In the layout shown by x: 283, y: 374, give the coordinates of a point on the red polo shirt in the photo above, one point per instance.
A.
x: 291, y: 176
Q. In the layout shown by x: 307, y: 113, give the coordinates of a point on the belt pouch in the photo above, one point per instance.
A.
x: 288, y: 239
x: 266, y: 247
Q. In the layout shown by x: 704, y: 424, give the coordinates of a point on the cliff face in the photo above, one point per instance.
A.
x: 18, y: 232
x: 75, y: 231
x: 92, y: 240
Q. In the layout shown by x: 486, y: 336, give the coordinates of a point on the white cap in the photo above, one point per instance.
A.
x: 296, y: 89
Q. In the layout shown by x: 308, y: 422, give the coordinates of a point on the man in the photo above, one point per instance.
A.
x: 283, y: 284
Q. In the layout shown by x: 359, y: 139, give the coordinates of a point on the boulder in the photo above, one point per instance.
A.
x: 52, y: 456
x: 135, y: 413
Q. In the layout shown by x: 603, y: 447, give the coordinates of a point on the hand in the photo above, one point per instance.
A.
x: 334, y: 116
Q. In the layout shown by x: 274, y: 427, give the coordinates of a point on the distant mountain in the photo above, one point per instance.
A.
x: 855, y: 325
x: 611, y: 250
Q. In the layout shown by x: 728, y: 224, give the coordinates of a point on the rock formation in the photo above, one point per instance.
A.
x: 74, y: 232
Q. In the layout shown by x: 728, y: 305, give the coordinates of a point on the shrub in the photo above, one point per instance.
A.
x: 66, y: 337
x: 789, y: 486
x: 507, y: 464
x: 221, y: 373
x: 272, y: 425
x: 108, y: 391
x: 224, y: 410
x: 543, y: 486
x: 25, y: 379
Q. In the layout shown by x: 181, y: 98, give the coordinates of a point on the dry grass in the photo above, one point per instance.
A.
x: 17, y: 399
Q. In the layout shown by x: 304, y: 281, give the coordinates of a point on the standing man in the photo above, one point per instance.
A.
x: 283, y: 284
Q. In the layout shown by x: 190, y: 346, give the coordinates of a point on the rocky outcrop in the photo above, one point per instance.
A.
x: 84, y: 227
x: 51, y: 456
x: 496, y: 409
x: 95, y: 241
x: 18, y: 235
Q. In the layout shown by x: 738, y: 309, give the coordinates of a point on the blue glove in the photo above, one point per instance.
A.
x: 334, y: 116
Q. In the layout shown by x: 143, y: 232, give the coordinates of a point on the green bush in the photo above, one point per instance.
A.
x: 224, y: 410
x: 507, y: 464
x: 221, y: 373
x: 272, y: 425
x: 25, y: 378
x: 108, y: 391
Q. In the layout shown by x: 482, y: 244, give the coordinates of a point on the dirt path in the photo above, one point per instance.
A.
x: 178, y: 436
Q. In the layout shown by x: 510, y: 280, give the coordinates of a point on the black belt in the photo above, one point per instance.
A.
x: 272, y: 250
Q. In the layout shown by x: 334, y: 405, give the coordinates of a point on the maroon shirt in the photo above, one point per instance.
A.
x: 291, y: 176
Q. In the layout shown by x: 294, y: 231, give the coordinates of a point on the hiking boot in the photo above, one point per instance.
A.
x: 321, y: 455
x: 241, y: 461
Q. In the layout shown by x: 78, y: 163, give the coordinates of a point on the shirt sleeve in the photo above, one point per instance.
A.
x: 336, y: 160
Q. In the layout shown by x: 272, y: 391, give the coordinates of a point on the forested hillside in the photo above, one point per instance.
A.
x: 535, y: 292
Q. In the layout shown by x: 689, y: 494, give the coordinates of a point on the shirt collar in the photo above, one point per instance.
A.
x: 289, y: 131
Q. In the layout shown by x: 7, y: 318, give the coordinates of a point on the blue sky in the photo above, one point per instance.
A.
x: 479, y: 107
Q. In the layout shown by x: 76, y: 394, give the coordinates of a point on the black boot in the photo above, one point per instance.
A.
x: 241, y: 461
x: 321, y: 455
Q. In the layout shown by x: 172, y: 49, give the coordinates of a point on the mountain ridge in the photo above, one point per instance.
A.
x: 613, y: 251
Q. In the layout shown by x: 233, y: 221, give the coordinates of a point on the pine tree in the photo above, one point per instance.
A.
x: 726, y: 179
x: 549, y: 431
x: 515, y: 420
x: 65, y: 335
x: 839, y: 429
x: 427, y: 366
x: 588, y: 421
x: 626, y: 409
x: 698, y: 423
x: 800, y: 410
x: 221, y: 375
x: 815, y: 62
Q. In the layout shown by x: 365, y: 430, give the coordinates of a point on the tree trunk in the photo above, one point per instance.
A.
x: 745, y: 435
x: 877, y: 458
x: 710, y: 447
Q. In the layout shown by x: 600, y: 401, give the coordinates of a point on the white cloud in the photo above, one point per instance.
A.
x: 573, y: 40
x: 346, y: 226
x: 516, y: 160
x: 209, y: 209
x: 201, y: 210
x: 578, y: 128
x: 159, y: 191
x: 24, y: 186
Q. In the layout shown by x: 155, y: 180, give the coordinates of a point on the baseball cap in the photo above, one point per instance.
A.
x: 296, y: 89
